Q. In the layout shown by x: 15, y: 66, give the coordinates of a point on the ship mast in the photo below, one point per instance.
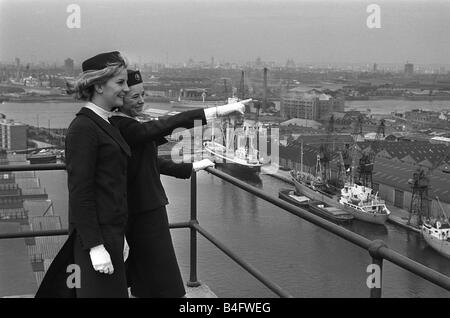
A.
x: 442, y: 208
x: 301, y: 158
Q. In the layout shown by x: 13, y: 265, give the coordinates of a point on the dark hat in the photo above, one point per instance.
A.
x: 101, y: 61
x: 134, y: 77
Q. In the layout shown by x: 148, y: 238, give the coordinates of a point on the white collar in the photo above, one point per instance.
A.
x: 99, y: 111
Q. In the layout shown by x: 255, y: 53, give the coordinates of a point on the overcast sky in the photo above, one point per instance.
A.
x: 237, y: 31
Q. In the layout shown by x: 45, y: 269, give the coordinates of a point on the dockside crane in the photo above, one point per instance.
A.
x: 357, y: 128
x: 420, y: 186
x: 342, y: 171
x: 367, y: 160
x: 365, y: 169
x: 241, y: 94
x: 225, y: 89
x: 325, y: 153
x: 420, y: 204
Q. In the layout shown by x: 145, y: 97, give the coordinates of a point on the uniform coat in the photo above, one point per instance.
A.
x: 152, y: 268
x: 96, y: 163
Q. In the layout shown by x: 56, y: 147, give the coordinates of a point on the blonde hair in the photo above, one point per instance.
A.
x: 83, y: 86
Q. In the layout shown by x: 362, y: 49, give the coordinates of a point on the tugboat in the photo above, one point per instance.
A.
x: 437, y: 234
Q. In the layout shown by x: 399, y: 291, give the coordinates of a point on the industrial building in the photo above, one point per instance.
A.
x: 13, y: 135
x: 391, y: 181
x: 312, y: 104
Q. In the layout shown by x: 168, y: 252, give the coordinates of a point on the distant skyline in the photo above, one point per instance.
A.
x: 173, y: 31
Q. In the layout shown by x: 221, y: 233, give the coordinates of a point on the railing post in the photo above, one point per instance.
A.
x: 193, y: 282
x: 377, y: 266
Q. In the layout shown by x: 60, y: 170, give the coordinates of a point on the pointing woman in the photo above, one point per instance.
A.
x: 152, y: 268
x: 96, y: 163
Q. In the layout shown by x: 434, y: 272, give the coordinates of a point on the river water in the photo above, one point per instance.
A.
x: 303, y: 259
x: 59, y: 115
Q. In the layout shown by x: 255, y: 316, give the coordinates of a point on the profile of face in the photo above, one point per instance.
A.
x: 133, y: 102
x: 114, y: 90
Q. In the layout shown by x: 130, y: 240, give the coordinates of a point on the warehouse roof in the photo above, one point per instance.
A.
x: 418, y: 151
x: 397, y: 174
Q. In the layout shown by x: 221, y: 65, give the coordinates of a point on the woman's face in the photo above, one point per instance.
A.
x: 114, y: 90
x: 133, y: 102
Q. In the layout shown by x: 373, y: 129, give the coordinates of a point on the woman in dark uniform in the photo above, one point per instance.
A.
x: 96, y: 163
x: 152, y: 268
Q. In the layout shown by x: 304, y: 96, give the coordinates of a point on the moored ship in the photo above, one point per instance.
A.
x: 242, y: 158
x: 44, y: 156
x: 353, y: 198
x: 437, y: 235
x: 360, y: 201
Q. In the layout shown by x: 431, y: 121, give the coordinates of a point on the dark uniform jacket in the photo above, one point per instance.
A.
x: 96, y: 163
x: 145, y: 191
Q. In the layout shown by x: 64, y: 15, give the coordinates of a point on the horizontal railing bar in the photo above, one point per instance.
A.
x: 33, y: 167
x: 26, y: 234
x: 248, y: 267
x: 180, y: 225
x: 414, y: 267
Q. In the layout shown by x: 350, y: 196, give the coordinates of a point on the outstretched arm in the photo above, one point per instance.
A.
x: 136, y: 132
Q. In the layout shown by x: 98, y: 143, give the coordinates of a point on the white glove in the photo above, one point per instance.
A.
x: 202, y: 164
x: 101, y: 260
x: 233, y: 107
x: 126, y: 249
x: 214, y: 112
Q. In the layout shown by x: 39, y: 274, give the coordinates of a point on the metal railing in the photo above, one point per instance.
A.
x: 377, y: 249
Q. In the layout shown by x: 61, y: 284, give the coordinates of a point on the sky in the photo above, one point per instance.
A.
x: 308, y: 31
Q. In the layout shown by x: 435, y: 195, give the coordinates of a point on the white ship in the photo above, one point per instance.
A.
x: 241, y: 158
x: 363, y: 204
x: 237, y: 152
x: 437, y: 235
